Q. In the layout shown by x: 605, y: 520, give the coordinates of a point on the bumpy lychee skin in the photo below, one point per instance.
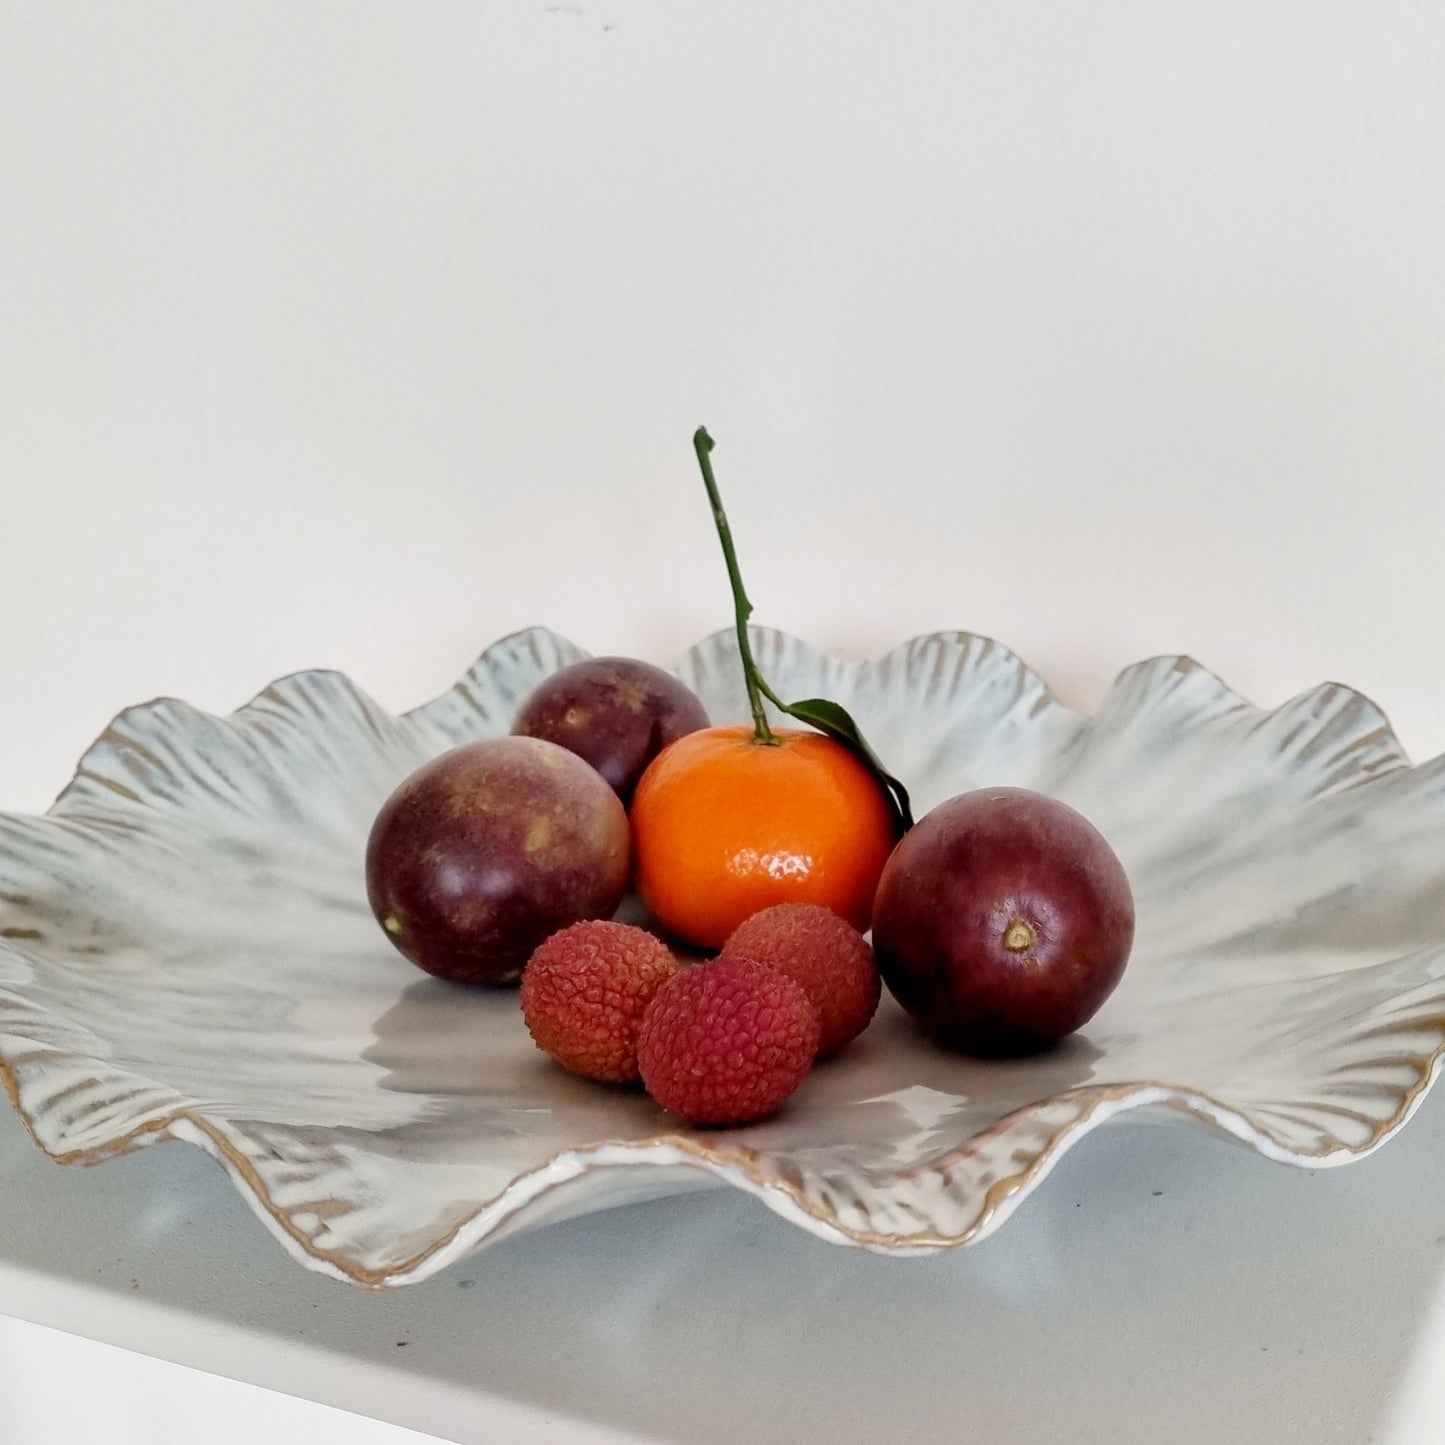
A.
x: 825, y: 955
x: 727, y: 1042
x: 584, y: 992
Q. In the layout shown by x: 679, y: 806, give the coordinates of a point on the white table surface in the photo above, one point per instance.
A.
x: 359, y: 334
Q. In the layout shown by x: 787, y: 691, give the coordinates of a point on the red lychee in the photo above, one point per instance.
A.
x: 584, y: 992
x: 824, y: 954
x: 727, y: 1042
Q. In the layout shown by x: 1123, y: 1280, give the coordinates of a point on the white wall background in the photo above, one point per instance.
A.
x: 360, y: 334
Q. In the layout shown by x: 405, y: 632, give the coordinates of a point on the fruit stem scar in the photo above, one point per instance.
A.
x: 1018, y: 936
x: 702, y: 444
x: 392, y: 923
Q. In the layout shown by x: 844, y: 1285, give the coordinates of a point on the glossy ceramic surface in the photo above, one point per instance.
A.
x: 186, y: 953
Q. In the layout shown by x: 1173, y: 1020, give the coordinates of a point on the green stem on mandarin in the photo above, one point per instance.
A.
x: 702, y: 444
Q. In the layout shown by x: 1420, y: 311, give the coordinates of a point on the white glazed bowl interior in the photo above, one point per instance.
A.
x: 186, y: 953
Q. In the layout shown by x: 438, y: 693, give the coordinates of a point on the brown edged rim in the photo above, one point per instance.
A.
x: 726, y: 1162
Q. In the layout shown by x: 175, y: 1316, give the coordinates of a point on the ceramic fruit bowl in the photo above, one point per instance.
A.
x: 186, y: 953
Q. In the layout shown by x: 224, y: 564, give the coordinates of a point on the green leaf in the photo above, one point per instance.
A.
x: 835, y: 722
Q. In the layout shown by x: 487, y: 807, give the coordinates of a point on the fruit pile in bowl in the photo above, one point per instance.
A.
x: 699, y: 885
x: 762, y: 853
